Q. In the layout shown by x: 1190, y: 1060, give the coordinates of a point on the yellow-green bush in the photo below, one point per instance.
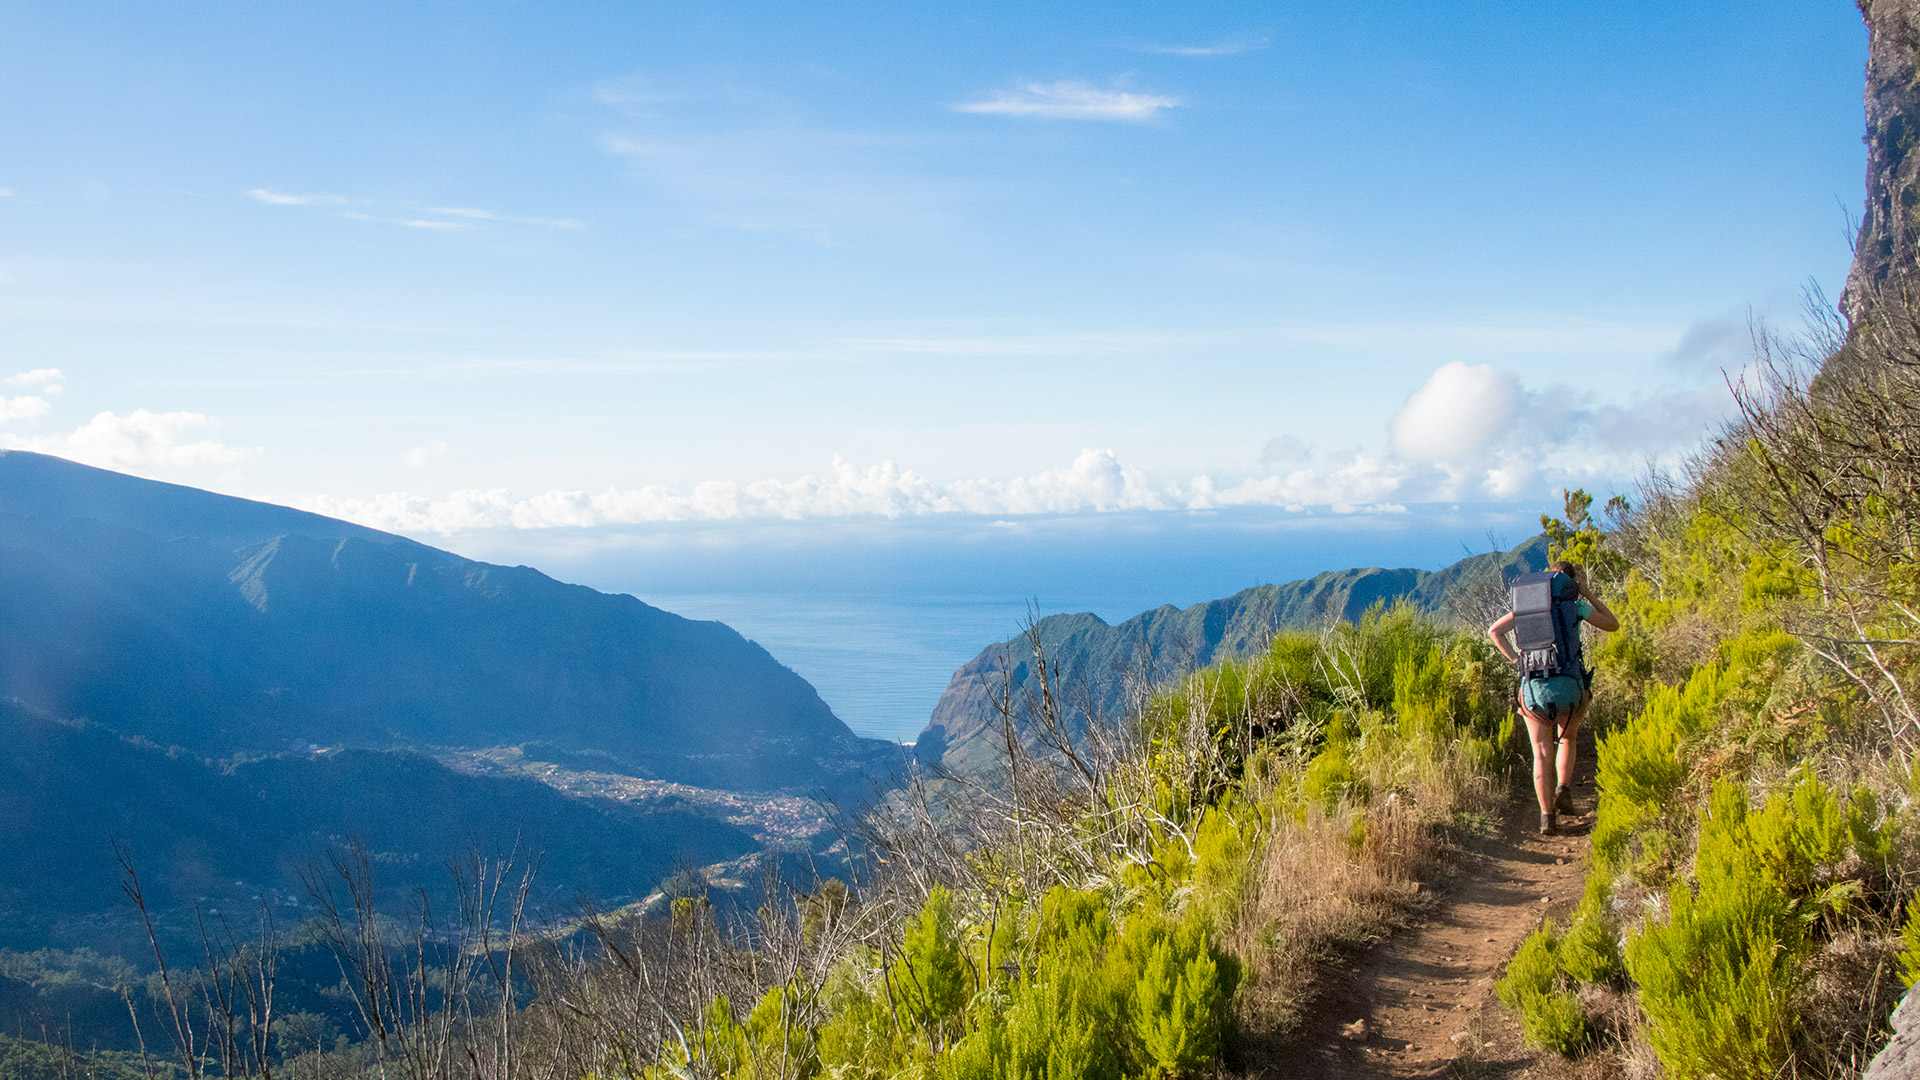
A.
x: 1724, y: 978
x: 1550, y: 1015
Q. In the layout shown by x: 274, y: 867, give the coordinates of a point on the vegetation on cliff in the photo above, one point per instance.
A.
x: 1754, y: 856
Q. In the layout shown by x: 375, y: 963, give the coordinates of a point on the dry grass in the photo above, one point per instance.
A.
x: 1316, y: 894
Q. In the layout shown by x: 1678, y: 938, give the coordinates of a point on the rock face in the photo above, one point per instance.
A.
x: 1100, y: 659
x: 1900, y: 1058
x: 1887, y: 253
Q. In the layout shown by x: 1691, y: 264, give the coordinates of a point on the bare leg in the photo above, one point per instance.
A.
x: 1570, y: 746
x: 1540, y: 733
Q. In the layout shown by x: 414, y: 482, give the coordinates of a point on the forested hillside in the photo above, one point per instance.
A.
x: 1107, y: 668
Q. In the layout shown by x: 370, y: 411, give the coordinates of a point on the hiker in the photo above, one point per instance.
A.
x: 1555, y: 684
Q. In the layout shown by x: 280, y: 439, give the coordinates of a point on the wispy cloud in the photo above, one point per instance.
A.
x: 476, y: 214
x: 1227, y: 47
x: 406, y: 222
x: 765, y: 173
x: 282, y: 198
x: 1071, y: 100
x: 6, y: 193
x: 410, y: 216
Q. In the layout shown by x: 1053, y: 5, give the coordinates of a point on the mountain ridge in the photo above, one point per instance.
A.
x: 1101, y: 658
x: 200, y: 620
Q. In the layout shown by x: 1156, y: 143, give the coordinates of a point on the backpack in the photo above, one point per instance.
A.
x: 1546, y: 629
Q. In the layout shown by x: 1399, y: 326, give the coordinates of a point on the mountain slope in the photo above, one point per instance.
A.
x: 224, y: 625
x: 232, y: 835
x: 1099, y: 659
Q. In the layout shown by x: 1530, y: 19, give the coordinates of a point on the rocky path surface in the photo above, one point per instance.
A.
x: 1421, y: 1003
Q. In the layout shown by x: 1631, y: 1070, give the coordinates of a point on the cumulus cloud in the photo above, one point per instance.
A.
x: 35, y: 377
x: 420, y: 455
x: 26, y: 407
x: 1285, y: 450
x: 140, y: 439
x: 1475, y: 431
x: 1469, y: 431
x: 1457, y: 416
x: 1097, y: 481
x: 1071, y: 100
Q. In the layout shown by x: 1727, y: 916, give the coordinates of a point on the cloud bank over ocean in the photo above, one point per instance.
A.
x: 1470, y: 432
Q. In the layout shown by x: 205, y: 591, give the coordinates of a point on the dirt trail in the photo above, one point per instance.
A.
x: 1426, y: 994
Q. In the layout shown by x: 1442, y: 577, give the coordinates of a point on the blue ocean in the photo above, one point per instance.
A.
x: 877, y: 614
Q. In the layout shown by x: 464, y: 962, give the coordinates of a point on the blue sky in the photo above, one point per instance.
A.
x: 474, y: 270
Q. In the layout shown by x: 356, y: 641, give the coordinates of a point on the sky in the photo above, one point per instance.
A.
x: 518, y: 278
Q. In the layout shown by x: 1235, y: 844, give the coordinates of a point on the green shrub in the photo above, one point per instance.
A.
x: 1910, y: 942
x: 1551, y: 1017
x: 1179, y: 1005
x: 771, y: 1045
x: 1555, y: 1021
x: 929, y: 976
x: 1533, y: 971
x: 1721, y: 980
x: 1590, y: 951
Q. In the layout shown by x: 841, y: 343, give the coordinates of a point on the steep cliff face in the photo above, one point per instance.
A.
x: 1887, y: 252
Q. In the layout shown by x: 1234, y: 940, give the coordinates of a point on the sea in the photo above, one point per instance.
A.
x: 877, y: 614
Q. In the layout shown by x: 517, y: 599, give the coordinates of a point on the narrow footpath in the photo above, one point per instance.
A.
x: 1421, y: 1003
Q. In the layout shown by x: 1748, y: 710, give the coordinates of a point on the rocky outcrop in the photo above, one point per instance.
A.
x: 1900, y: 1058
x: 1887, y: 252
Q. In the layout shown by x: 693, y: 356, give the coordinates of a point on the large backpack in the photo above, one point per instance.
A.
x: 1546, y: 629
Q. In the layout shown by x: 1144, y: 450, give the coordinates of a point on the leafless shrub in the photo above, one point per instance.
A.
x: 1824, y: 464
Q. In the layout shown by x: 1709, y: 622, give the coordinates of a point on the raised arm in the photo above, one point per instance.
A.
x: 1603, y: 617
x: 1501, y: 627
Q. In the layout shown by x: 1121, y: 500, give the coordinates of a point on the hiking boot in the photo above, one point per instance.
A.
x: 1546, y: 823
x: 1563, y: 800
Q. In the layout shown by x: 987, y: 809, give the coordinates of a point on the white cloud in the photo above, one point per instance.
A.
x: 409, y: 223
x: 1721, y: 343
x: 1228, y: 47
x: 1460, y: 412
x: 23, y: 408
x: 1286, y: 450
x: 6, y: 193
x: 476, y: 214
x: 1095, y: 482
x: 420, y: 455
x: 281, y: 198
x: 436, y: 217
x: 1470, y: 431
x: 1071, y: 100
x: 34, y: 377
x: 137, y: 440
x: 1474, y: 431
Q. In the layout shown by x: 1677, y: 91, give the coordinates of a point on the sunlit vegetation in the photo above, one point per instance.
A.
x: 1150, y: 896
x: 1750, y: 905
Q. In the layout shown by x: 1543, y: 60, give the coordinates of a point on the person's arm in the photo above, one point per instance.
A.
x: 1498, y: 632
x: 1603, y: 617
